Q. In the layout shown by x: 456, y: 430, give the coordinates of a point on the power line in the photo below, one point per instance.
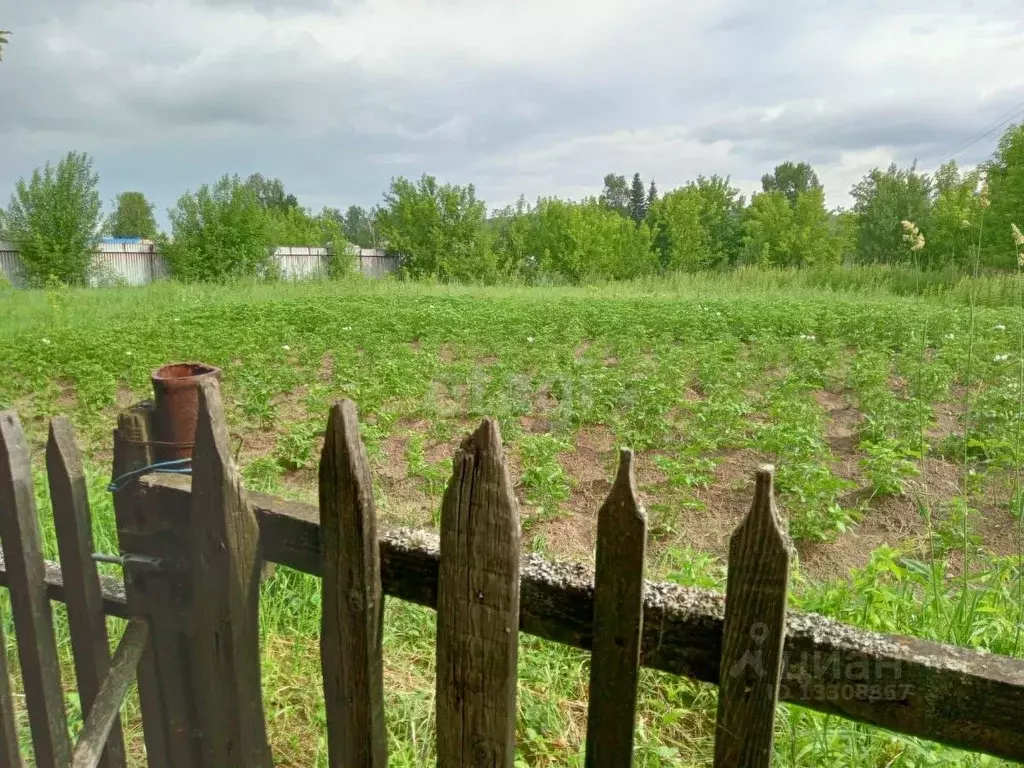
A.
x: 1017, y: 111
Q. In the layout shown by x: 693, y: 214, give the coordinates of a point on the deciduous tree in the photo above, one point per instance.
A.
x: 54, y: 217
x: 438, y: 230
x: 791, y: 179
x: 132, y: 217
x: 1004, y: 174
x: 219, y: 232
x: 884, y: 199
x: 615, y: 195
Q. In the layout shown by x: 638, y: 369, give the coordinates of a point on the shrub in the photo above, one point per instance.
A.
x: 219, y: 232
x: 54, y: 217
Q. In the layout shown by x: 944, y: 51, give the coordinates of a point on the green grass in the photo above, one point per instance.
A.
x: 704, y: 376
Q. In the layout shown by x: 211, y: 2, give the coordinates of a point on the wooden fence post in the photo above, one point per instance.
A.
x: 753, y: 633
x: 152, y: 542
x: 89, y: 640
x: 478, y: 607
x: 618, y: 623
x: 353, y: 605
x: 226, y: 563
x: 33, y: 620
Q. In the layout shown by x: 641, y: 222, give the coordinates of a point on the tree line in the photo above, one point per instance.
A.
x: 950, y: 218
x: 954, y: 217
x: 223, y: 230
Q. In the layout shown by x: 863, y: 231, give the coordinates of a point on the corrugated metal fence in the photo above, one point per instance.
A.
x: 140, y: 263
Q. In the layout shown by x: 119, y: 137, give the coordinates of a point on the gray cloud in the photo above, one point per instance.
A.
x: 537, y: 97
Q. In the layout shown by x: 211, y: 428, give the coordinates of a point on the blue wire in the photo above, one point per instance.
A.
x: 175, y: 467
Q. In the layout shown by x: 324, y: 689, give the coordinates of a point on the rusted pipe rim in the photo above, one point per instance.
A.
x: 183, y: 373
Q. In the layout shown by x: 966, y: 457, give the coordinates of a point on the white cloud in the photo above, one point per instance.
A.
x: 535, y: 97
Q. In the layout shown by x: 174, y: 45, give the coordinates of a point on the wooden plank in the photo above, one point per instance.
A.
x: 9, y: 754
x: 478, y: 607
x: 955, y: 696
x: 165, y: 721
x: 753, y: 633
x: 111, y: 589
x: 33, y: 621
x: 618, y: 622
x: 89, y: 641
x: 105, y: 713
x: 352, y: 621
x: 225, y: 635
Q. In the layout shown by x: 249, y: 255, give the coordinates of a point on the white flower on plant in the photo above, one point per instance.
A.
x: 1000, y: 358
x: 808, y: 337
x: 965, y: 224
x: 949, y: 337
x: 529, y: 339
x: 912, y: 236
x: 347, y: 328
x: 285, y: 347
x: 999, y: 327
x: 46, y: 341
x: 129, y: 353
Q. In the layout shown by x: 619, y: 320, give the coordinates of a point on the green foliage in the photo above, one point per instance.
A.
x: 54, y: 217
x: 681, y: 241
x: 295, y: 447
x: 1005, y: 176
x: 297, y: 226
x: 510, y: 227
x: 437, y: 230
x: 270, y: 193
x: 360, y: 226
x: 721, y: 215
x: 884, y: 199
x: 220, y: 232
x: 652, y: 194
x: 955, y: 217
x: 132, y: 217
x: 615, y: 195
x: 792, y: 180
x: 586, y: 241
x: 768, y: 230
x: 781, y: 233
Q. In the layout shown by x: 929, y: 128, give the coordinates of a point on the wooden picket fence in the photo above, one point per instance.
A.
x: 193, y: 549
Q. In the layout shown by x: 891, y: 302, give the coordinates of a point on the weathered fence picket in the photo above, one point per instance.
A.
x: 618, y: 622
x: 478, y: 607
x: 225, y: 638
x: 86, y: 622
x: 33, y: 620
x: 753, y: 634
x: 353, y: 603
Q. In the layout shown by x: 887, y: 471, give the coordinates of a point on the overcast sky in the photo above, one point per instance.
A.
x: 537, y: 97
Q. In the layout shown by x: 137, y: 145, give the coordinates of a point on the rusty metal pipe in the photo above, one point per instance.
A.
x: 176, y: 391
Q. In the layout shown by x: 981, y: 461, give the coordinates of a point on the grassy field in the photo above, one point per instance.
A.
x: 893, y: 420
